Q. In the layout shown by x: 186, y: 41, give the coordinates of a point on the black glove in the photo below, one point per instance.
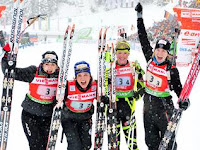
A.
x: 138, y: 8
x: 109, y: 81
x: 136, y: 95
x: 184, y: 104
x: 11, y: 65
x: 7, y: 49
x: 105, y: 99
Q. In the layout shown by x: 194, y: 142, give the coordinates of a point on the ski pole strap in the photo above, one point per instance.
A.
x: 61, y: 140
x: 33, y: 19
x: 135, y: 86
x: 131, y: 103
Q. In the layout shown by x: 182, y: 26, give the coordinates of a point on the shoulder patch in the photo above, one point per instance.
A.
x: 72, y: 88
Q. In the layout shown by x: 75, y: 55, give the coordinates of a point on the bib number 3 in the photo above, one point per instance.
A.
x: 46, y: 91
x: 156, y: 81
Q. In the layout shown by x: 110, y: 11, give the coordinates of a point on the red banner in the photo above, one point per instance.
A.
x: 189, y: 18
x: 2, y: 8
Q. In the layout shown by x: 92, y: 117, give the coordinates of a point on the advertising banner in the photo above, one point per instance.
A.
x: 190, y: 34
x: 187, y: 43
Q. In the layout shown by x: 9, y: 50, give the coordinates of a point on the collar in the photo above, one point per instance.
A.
x: 157, y: 63
x: 122, y: 65
x: 84, y: 90
x: 43, y: 73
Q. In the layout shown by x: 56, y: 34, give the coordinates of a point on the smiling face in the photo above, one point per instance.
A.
x: 83, y: 79
x: 49, y: 68
x: 161, y: 54
x: 122, y: 57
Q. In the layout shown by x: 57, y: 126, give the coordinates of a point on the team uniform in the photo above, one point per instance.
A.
x: 38, y: 103
x: 125, y: 94
x: 77, y: 113
x: 161, y: 78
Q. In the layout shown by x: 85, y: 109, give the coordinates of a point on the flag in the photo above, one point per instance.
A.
x: 197, y: 2
x: 168, y: 16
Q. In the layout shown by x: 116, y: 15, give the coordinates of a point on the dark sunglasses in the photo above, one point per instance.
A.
x: 48, y: 60
x: 85, y: 69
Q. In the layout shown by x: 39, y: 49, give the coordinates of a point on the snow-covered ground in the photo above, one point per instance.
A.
x: 188, y: 134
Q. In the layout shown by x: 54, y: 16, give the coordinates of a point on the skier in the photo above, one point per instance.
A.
x: 78, y: 108
x: 161, y: 77
x: 125, y: 94
x: 38, y: 103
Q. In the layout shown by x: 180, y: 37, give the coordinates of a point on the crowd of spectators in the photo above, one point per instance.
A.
x: 162, y: 29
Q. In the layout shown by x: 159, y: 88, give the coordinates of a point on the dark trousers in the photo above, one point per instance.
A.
x: 78, y: 133
x: 123, y: 117
x: 36, y: 130
x: 157, y: 113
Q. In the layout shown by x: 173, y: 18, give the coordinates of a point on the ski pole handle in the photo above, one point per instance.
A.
x: 33, y: 19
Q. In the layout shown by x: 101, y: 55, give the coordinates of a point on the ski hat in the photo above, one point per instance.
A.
x: 50, y: 57
x: 123, y: 46
x: 164, y: 44
x: 80, y: 67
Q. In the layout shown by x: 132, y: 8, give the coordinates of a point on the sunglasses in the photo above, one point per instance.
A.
x: 49, y: 60
x: 85, y: 69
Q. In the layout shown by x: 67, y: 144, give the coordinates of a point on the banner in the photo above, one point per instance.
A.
x: 189, y: 18
x: 190, y: 34
x: 2, y: 8
x: 187, y: 43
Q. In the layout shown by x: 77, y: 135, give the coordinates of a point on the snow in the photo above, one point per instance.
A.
x: 188, y: 134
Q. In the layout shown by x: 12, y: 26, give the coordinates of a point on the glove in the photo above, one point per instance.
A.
x: 6, y: 48
x: 184, y: 104
x: 105, y: 99
x: 138, y: 69
x: 136, y: 95
x: 138, y: 8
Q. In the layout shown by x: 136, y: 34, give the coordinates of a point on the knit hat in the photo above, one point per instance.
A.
x: 80, y: 67
x: 164, y: 44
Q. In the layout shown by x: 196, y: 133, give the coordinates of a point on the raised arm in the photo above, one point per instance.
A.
x: 22, y: 74
x: 146, y: 47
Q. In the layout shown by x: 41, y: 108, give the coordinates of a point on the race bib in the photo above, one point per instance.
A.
x: 46, y: 91
x: 123, y: 81
x: 80, y: 106
x: 154, y: 80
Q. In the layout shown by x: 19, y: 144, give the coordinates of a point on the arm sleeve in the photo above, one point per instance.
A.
x: 175, y: 81
x: 145, y: 44
x: 66, y: 92
x: 25, y: 74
